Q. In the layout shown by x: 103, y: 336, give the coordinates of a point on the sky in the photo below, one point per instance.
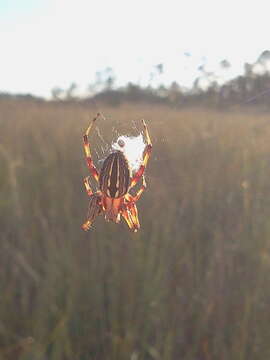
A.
x: 49, y: 43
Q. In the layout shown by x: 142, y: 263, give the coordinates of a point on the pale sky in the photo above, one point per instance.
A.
x: 48, y: 43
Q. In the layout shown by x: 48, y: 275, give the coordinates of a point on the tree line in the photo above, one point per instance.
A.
x: 249, y: 89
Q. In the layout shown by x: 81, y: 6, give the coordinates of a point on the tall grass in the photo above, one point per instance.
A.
x: 192, y: 284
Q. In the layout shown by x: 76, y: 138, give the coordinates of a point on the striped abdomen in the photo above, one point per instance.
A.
x: 114, y: 178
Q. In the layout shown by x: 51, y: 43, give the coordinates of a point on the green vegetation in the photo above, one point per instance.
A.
x: 192, y: 284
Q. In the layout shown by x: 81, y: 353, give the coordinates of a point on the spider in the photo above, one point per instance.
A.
x: 114, y: 181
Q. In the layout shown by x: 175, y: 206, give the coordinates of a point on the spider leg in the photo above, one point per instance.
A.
x: 129, y: 210
x: 93, y: 170
x: 87, y: 186
x: 94, y: 209
x: 137, y: 196
x: 146, y: 155
x: 130, y: 214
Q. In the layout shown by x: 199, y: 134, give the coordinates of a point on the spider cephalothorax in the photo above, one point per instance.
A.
x: 115, y: 180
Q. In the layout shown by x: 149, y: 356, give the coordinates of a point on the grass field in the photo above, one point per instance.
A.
x: 192, y: 284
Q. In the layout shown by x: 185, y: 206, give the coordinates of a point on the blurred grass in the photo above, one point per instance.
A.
x: 192, y: 284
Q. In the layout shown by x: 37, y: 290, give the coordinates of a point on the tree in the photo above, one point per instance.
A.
x: 57, y: 93
x: 225, y: 64
x: 104, y: 80
x: 70, y: 91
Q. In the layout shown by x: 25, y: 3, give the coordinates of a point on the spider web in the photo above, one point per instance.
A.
x: 106, y: 136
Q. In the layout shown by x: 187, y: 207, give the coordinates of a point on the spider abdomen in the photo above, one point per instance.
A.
x: 114, y: 179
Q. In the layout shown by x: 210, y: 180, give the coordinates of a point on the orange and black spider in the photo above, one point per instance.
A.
x: 114, y: 182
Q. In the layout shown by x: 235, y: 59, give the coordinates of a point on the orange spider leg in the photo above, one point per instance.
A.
x: 90, y: 164
x: 87, y: 186
x: 130, y: 212
x: 94, y: 210
x: 146, y: 156
x: 137, y: 196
